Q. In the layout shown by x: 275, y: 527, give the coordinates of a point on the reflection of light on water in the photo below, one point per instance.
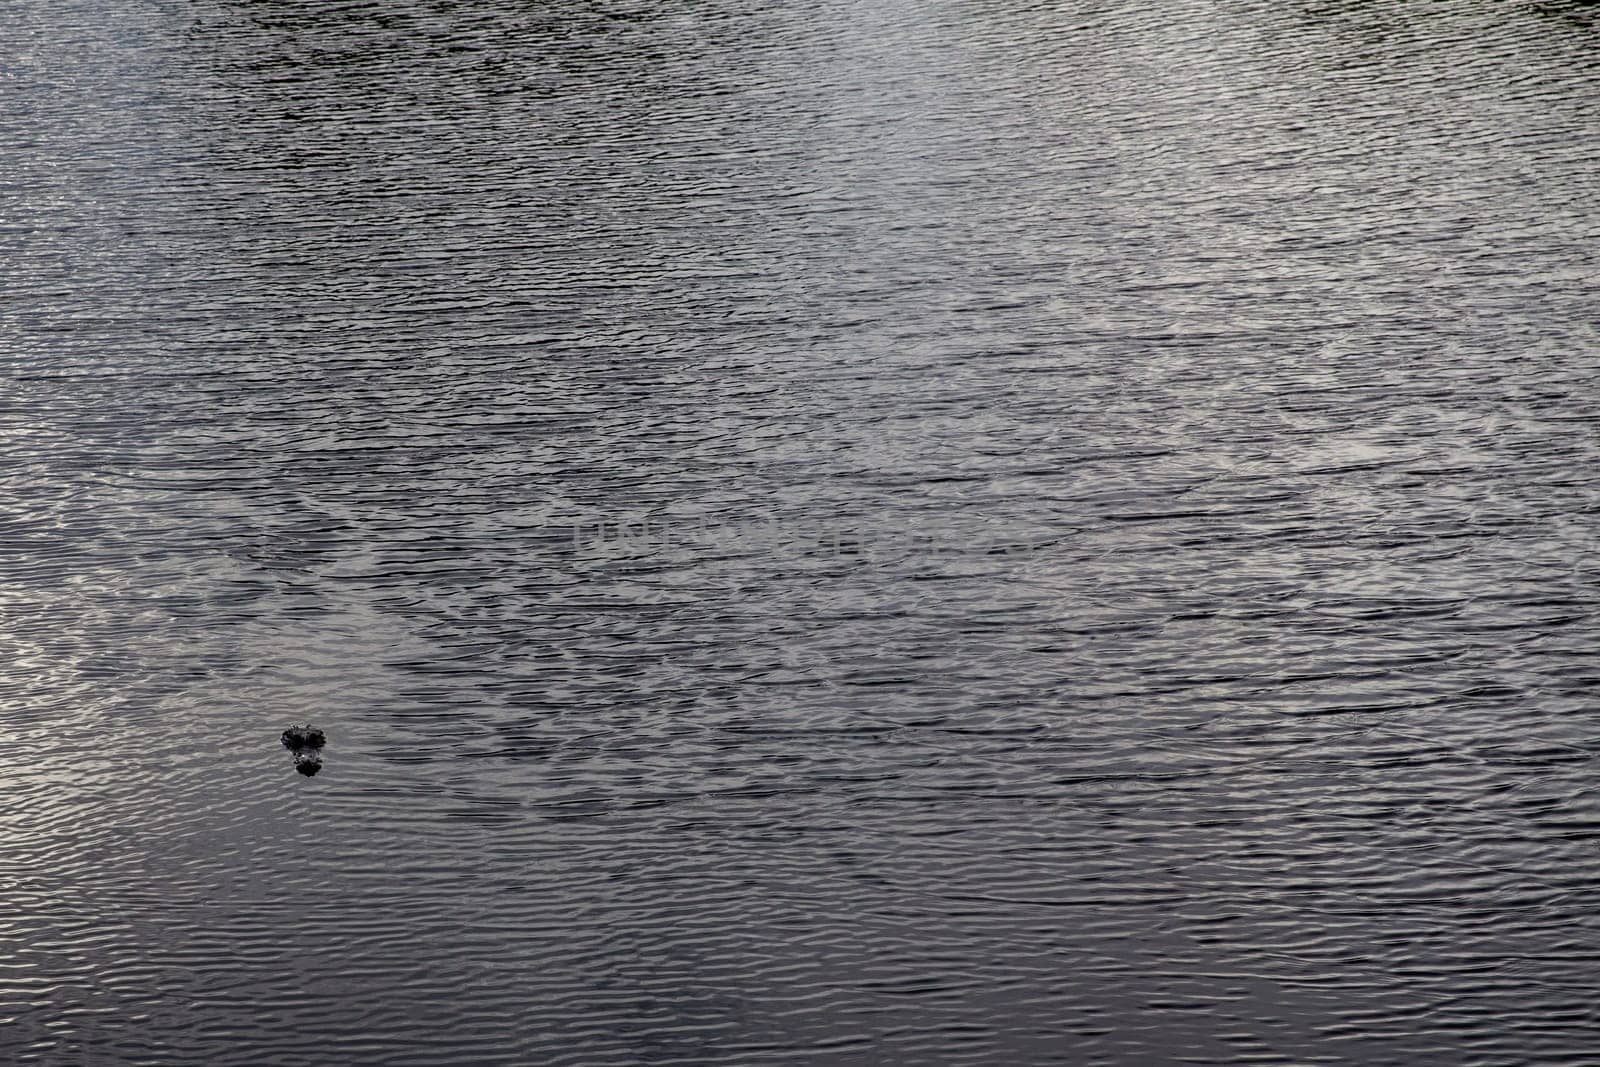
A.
x: 1235, y: 320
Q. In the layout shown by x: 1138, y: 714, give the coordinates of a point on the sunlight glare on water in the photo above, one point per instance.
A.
x: 836, y: 533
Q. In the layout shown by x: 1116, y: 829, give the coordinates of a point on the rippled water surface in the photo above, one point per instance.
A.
x: 854, y: 532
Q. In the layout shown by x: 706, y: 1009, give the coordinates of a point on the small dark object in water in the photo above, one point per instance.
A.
x: 308, y: 765
x: 299, y: 737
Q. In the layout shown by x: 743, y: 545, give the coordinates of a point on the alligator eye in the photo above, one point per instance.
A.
x: 304, y: 736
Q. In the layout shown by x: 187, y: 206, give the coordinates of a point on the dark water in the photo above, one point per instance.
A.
x: 1110, y: 495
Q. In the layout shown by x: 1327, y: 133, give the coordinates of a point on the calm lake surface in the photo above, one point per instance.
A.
x: 850, y: 533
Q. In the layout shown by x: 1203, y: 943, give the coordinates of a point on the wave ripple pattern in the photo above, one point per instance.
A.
x: 844, y: 533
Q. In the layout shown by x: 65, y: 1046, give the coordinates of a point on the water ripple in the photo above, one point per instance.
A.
x: 871, y: 533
